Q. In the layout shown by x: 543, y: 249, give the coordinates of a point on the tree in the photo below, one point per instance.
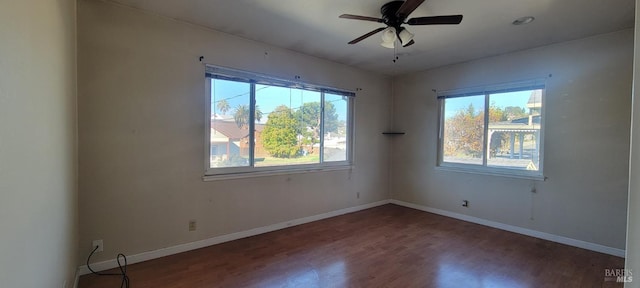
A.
x: 464, y: 132
x: 223, y: 106
x: 496, y: 114
x: 309, y: 119
x: 514, y: 112
x: 241, y: 116
x: 331, y: 122
x: 258, y: 114
x: 280, y: 135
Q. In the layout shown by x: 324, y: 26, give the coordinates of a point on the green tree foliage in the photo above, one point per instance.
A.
x: 241, y: 116
x: 223, y: 106
x: 464, y: 132
x: 331, y: 122
x: 514, y: 112
x: 258, y: 113
x: 280, y: 135
x: 309, y: 119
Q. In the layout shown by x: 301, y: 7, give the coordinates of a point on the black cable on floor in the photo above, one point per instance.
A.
x: 123, y: 269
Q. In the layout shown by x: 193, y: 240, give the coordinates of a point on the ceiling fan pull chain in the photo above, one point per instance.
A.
x: 395, y: 53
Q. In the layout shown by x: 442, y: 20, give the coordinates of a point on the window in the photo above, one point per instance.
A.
x: 259, y: 123
x: 495, y: 130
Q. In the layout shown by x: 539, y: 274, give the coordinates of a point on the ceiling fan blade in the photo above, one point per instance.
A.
x: 407, y: 7
x: 358, y: 17
x: 410, y: 43
x: 354, y: 41
x: 435, y: 20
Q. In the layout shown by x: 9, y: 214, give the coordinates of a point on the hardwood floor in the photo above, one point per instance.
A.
x: 387, y: 246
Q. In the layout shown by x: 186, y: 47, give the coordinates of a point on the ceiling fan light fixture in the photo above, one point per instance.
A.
x: 389, y: 37
x: 405, y: 36
x: 389, y: 45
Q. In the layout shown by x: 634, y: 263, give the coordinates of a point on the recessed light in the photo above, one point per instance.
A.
x: 523, y: 20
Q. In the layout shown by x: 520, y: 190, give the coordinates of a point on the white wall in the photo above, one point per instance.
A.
x: 586, y: 141
x: 141, y: 135
x: 38, y: 199
x: 633, y: 225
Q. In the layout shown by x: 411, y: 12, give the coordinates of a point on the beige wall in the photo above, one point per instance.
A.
x: 633, y: 225
x: 38, y: 199
x: 141, y: 135
x: 586, y: 141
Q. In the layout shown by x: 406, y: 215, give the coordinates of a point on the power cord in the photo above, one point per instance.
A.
x: 123, y: 269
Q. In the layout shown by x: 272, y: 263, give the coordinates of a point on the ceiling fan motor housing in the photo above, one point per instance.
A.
x: 389, y: 16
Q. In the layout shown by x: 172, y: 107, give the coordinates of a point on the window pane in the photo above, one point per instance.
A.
x: 335, y: 127
x: 514, y: 130
x: 229, y: 123
x: 288, y: 129
x: 463, y: 130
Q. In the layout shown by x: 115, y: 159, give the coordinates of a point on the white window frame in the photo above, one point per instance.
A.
x: 221, y: 173
x: 487, y: 91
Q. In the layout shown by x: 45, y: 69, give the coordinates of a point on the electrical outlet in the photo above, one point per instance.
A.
x: 192, y: 225
x: 465, y: 203
x: 99, y: 244
x: 358, y: 195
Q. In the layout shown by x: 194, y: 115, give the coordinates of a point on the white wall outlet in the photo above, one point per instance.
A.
x: 192, y: 225
x: 99, y: 244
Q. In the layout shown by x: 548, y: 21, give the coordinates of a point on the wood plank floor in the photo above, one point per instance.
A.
x: 386, y: 246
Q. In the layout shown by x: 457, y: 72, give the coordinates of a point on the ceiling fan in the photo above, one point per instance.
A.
x: 394, y: 14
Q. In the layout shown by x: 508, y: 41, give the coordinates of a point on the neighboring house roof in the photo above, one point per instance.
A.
x: 535, y: 119
x: 231, y: 130
x: 520, y: 124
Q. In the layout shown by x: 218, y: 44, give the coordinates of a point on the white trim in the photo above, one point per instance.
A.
x: 516, y: 229
x: 76, y: 278
x: 149, y: 255
x: 523, y: 84
x: 487, y: 91
x: 252, y: 79
x: 489, y: 171
x: 264, y: 173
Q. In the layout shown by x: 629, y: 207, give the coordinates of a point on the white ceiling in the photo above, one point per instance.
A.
x: 312, y: 27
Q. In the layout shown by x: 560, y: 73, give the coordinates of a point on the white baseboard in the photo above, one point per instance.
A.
x: 144, y: 256
x: 516, y: 229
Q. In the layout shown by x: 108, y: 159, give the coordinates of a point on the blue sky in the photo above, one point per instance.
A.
x: 518, y: 99
x: 268, y: 97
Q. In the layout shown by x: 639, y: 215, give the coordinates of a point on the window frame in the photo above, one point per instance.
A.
x: 487, y: 91
x: 253, y: 79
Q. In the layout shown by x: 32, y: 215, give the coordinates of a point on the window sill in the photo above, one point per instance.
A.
x: 265, y: 173
x: 492, y: 172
